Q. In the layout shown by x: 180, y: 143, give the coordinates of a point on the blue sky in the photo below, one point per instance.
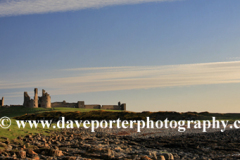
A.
x: 151, y: 54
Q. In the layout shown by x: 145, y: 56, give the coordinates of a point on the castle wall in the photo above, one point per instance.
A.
x: 62, y: 104
x: 92, y: 106
x: 31, y: 103
x: 13, y: 105
x: 112, y: 107
x: 81, y: 104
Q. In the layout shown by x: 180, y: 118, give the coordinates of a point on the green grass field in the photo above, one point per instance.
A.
x: 18, y: 111
x: 13, y: 132
x: 79, y: 113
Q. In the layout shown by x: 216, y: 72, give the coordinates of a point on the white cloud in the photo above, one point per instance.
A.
x: 82, y: 80
x: 21, y: 7
x: 233, y: 58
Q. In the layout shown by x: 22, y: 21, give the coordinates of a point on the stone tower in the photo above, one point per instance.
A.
x: 45, y: 100
x: 80, y: 104
x: 35, y: 104
x: 2, y: 102
x: 43, y: 92
x: 26, y: 100
x: 123, y: 106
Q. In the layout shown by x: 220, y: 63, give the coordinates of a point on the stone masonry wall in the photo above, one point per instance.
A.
x: 62, y: 104
x: 92, y: 106
x: 81, y: 104
x: 111, y: 107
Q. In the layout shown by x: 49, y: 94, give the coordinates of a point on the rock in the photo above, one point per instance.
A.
x: 46, y: 144
x: 154, y: 155
x: 22, y: 154
x: 110, y: 153
x: 128, y: 150
x: 69, y: 158
x: 145, y: 158
x: 168, y: 156
x: 31, y: 152
x: 118, y: 149
x: 161, y: 157
x: 2, y: 144
x: 176, y: 156
x: 83, y: 144
x: 55, y: 147
x: 55, y: 152
x: 29, y: 136
x: 35, y: 157
x: 28, y: 145
x: 14, y: 156
x: 8, y: 148
x: 5, y: 154
x: 7, y: 142
x: 58, y: 143
x: 135, y: 157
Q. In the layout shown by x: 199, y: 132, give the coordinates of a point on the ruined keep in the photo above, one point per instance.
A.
x: 2, y: 102
x: 44, y: 101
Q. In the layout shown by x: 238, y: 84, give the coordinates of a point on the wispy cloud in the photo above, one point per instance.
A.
x: 20, y: 7
x: 83, y: 80
x: 233, y: 58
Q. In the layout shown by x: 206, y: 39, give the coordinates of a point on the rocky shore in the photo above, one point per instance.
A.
x: 164, y: 144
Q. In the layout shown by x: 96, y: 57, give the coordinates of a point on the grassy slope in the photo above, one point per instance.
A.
x: 18, y: 111
x: 14, y: 131
x: 81, y: 113
x: 109, y: 115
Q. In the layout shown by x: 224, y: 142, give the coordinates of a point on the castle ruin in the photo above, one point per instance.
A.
x: 2, y: 102
x: 81, y: 104
x: 44, y: 101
